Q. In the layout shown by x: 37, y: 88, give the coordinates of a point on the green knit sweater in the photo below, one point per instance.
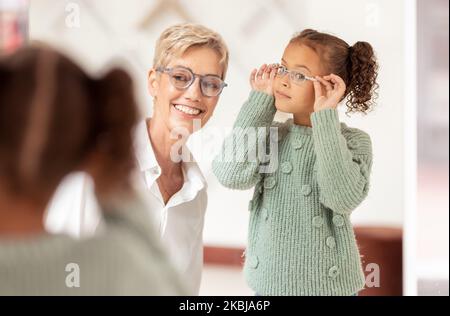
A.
x: 301, y: 241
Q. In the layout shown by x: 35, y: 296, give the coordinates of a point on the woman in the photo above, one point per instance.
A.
x: 186, y: 80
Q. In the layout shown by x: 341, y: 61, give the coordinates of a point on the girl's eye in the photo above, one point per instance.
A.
x: 300, y: 77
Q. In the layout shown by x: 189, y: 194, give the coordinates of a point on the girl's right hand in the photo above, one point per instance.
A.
x: 262, y: 79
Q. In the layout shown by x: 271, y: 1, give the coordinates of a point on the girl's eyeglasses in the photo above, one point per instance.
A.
x: 182, y: 78
x: 295, y: 76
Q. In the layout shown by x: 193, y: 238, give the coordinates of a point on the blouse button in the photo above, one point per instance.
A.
x: 317, y: 221
x: 269, y: 183
x: 286, y: 167
x: 331, y: 242
x: 338, y: 220
x: 333, y: 272
x: 306, y: 189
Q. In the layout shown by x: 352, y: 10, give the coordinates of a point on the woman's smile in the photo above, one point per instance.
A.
x: 187, y: 111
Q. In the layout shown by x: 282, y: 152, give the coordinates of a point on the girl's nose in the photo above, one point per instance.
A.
x: 285, y: 80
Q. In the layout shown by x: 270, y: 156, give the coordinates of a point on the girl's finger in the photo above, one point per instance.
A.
x: 334, y: 78
x: 260, y: 73
x: 273, y: 73
x: 267, y: 72
x: 327, y: 84
x: 317, y: 89
x: 338, y: 81
x: 338, y: 85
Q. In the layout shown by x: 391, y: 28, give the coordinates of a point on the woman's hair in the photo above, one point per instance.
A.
x: 177, y: 39
x: 356, y: 65
x: 54, y: 118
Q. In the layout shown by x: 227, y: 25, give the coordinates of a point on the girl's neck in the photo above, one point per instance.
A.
x: 162, y: 144
x: 20, y: 218
x: 302, y: 119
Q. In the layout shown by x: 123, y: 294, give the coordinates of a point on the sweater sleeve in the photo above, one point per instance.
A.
x: 343, y: 162
x: 239, y: 163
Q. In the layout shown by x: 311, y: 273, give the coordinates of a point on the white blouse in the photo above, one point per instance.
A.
x: 74, y: 210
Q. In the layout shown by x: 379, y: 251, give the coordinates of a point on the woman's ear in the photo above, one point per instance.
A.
x: 152, y: 82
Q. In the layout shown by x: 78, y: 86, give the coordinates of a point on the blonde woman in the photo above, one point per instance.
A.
x: 186, y: 80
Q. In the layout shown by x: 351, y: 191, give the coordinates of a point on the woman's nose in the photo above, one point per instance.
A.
x: 193, y: 92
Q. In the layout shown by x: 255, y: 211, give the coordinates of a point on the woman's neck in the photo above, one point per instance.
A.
x: 20, y: 218
x: 162, y: 144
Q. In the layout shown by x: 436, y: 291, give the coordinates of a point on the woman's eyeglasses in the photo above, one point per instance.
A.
x: 182, y: 78
x: 295, y: 76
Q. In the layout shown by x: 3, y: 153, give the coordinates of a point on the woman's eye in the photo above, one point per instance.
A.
x: 212, y: 85
x: 182, y: 78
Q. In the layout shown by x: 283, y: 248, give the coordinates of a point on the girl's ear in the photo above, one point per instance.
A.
x: 152, y: 83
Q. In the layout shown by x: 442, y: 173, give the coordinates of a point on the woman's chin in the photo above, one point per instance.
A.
x: 186, y: 124
x: 181, y: 126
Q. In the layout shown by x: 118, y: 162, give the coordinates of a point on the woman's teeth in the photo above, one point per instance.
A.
x: 187, y: 110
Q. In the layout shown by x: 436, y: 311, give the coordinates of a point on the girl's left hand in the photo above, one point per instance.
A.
x: 329, y: 91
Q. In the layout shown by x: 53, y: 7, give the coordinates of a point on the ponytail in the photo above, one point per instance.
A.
x: 54, y: 117
x: 362, y: 73
x: 356, y: 65
x: 115, y: 115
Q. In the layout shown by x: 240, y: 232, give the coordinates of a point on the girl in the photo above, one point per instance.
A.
x: 55, y: 119
x: 301, y: 241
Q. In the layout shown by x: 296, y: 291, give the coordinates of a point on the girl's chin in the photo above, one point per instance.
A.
x: 290, y: 108
x: 282, y: 107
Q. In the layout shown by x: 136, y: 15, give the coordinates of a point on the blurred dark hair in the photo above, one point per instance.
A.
x: 54, y: 117
x: 356, y: 65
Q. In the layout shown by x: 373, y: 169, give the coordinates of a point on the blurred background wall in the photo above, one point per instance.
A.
x: 256, y: 32
x: 94, y: 32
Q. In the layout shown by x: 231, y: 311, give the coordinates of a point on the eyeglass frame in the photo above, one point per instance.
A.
x: 290, y: 72
x: 168, y: 70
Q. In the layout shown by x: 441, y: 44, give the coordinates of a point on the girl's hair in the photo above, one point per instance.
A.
x: 177, y: 39
x: 54, y: 117
x: 356, y: 65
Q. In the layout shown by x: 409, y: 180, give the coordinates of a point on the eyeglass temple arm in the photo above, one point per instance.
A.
x: 307, y: 77
x: 311, y: 78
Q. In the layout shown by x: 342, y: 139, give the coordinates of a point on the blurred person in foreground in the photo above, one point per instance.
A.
x: 54, y: 120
